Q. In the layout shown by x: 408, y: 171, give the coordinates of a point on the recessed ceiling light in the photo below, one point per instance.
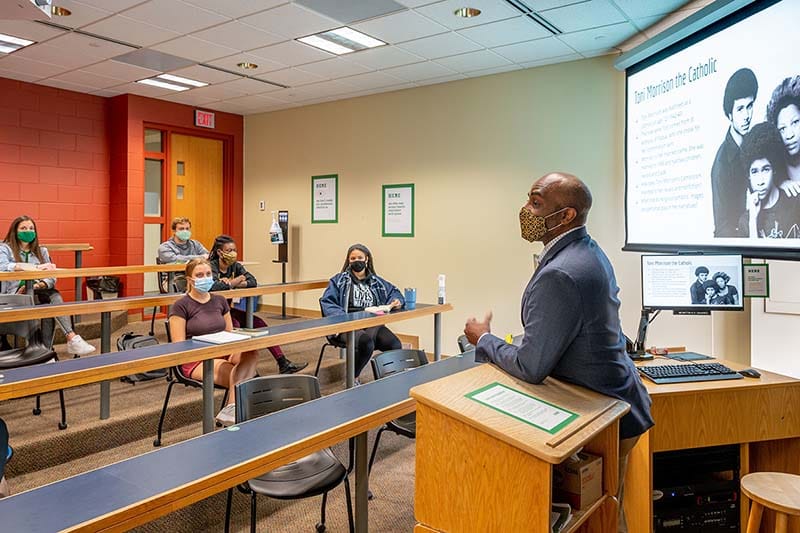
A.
x: 183, y: 81
x: 247, y: 66
x: 60, y: 11
x: 467, y: 12
x: 341, y: 41
x: 9, y: 43
x: 163, y: 84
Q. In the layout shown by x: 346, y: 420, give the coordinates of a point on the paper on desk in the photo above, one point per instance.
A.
x: 523, y: 407
x: 221, y: 338
x: 378, y: 309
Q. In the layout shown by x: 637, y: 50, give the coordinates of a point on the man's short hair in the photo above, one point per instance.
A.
x: 784, y: 95
x: 180, y: 220
x: 700, y: 270
x: 743, y: 84
x: 764, y: 142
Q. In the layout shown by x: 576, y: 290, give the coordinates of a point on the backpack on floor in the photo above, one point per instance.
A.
x: 131, y: 341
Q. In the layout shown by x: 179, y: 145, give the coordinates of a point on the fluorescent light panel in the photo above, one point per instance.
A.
x: 184, y: 81
x: 9, y: 43
x: 341, y: 41
x: 173, y: 83
x: 163, y: 84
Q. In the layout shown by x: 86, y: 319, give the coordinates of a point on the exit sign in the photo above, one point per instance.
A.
x: 203, y: 119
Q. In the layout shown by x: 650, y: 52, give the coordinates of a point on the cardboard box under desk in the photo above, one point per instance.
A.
x: 579, y: 483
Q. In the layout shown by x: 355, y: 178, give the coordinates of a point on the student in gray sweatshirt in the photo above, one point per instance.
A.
x: 181, y: 248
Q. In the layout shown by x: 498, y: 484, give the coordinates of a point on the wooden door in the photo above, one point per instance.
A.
x: 195, y: 181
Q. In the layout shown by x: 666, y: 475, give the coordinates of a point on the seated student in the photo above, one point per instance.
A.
x: 726, y: 294
x: 21, y: 251
x: 770, y: 212
x: 355, y: 288
x: 201, y: 313
x: 181, y: 248
x: 697, y: 287
x: 229, y: 273
x: 709, y: 292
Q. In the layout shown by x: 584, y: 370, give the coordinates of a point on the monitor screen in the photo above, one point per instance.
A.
x: 713, y: 139
x: 692, y: 282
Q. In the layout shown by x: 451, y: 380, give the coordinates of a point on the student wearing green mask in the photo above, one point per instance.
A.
x: 229, y: 273
x: 181, y: 248
x: 21, y: 251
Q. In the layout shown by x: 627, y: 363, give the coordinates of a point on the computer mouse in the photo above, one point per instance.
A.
x: 750, y: 373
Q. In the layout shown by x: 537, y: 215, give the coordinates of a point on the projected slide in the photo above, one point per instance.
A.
x: 685, y: 282
x: 713, y: 139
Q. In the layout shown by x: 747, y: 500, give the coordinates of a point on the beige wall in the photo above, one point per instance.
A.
x: 472, y: 148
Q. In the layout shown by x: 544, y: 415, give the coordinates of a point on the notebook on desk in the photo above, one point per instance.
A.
x: 221, y: 337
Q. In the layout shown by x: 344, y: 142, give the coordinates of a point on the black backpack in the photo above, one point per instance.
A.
x: 131, y: 341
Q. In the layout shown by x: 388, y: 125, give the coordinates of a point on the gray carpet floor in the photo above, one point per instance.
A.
x: 43, y: 454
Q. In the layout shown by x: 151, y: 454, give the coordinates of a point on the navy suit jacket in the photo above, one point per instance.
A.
x: 570, y: 315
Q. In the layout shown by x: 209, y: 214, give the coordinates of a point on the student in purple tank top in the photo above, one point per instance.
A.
x: 200, y: 313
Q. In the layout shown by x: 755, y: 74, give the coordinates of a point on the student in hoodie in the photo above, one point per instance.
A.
x: 356, y: 288
x: 181, y: 248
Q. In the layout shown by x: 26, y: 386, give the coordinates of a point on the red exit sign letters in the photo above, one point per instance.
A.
x: 203, y: 119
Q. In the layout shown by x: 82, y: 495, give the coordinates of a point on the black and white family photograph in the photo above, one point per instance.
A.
x: 713, y: 289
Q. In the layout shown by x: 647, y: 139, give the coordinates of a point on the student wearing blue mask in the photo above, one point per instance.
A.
x: 200, y: 313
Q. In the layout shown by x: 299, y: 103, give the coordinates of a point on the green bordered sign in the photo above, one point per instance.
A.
x: 398, y: 210
x: 756, y: 280
x: 325, y: 199
x: 523, y: 407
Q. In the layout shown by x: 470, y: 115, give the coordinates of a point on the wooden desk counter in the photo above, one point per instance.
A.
x: 760, y: 415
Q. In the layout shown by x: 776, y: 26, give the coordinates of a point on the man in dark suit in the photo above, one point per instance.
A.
x: 570, y: 311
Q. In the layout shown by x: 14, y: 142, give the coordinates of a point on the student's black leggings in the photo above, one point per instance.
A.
x: 371, y: 339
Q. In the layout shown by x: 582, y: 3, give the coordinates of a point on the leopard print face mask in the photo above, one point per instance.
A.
x: 533, y: 227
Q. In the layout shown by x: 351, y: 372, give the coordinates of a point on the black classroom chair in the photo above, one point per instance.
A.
x: 331, y: 340
x: 309, y: 476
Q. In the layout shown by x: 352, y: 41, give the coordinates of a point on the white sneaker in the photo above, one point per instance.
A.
x: 77, y: 346
x: 227, y: 415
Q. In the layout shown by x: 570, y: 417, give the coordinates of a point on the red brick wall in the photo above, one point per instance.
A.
x: 54, y: 167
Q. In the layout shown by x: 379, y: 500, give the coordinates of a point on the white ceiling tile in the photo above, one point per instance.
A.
x: 496, y: 70
x: 600, y: 52
x: 175, y: 15
x: 189, y: 98
x: 444, y: 44
x: 37, y: 69
x: 21, y: 76
x: 220, y: 91
x: 119, y: 71
x: 583, y: 16
x: 595, y: 38
x: 539, y: 5
x: 251, y: 86
x: 82, y: 14
x: 264, y: 65
x: 444, y: 12
x: 291, y: 21
x: 237, y: 8
x: 143, y: 90
x: 372, y: 80
x: 441, y: 79
x: 338, y: 67
x: 90, y: 47
x: 415, y: 3
x: 208, y: 75
x: 109, y: 5
x: 27, y: 29
x: 238, y: 35
x: 253, y: 101
x: 384, y: 57
x: 291, y: 94
x: 227, y: 108
x: 291, y: 53
x: 377, y: 90
x: 194, y: 49
x: 551, y: 60
x: 107, y: 93
x: 646, y: 22
x: 479, y: 60
x: 52, y: 82
x: 54, y: 56
x: 87, y: 79
x: 400, y: 27
x: 325, y: 88
x: 534, y: 50
x: 419, y: 71
x: 291, y: 77
x: 131, y: 31
x: 637, y: 9
x: 509, y: 31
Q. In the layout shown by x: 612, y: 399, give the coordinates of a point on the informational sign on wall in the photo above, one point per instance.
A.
x: 398, y: 210
x: 756, y: 281
x: 325, y: 199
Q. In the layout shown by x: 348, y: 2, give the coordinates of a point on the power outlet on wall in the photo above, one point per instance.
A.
x: 262, y: 205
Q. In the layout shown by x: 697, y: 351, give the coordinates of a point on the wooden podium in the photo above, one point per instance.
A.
x: 481, y: 470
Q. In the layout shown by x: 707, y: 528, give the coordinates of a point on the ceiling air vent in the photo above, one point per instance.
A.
x: 520, y: 6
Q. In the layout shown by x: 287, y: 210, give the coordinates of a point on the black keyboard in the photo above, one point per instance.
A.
x: 683, y: 373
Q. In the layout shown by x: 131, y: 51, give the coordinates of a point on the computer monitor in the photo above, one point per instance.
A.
x: 692, y: 283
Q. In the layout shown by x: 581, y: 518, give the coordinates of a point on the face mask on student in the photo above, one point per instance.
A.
x: 203, y: 284
x: 533, y: 227
x: 26, y: 235
x: 229, y: 257
x: 358, y: 266
x: 184, y: 234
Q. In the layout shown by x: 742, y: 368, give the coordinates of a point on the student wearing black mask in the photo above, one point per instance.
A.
x: 356, y: 288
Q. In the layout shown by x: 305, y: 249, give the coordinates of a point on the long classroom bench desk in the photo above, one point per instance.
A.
x: 105, y: 307
x: 126, y: 494
x: 78, y: 248
x: 760, y: 415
